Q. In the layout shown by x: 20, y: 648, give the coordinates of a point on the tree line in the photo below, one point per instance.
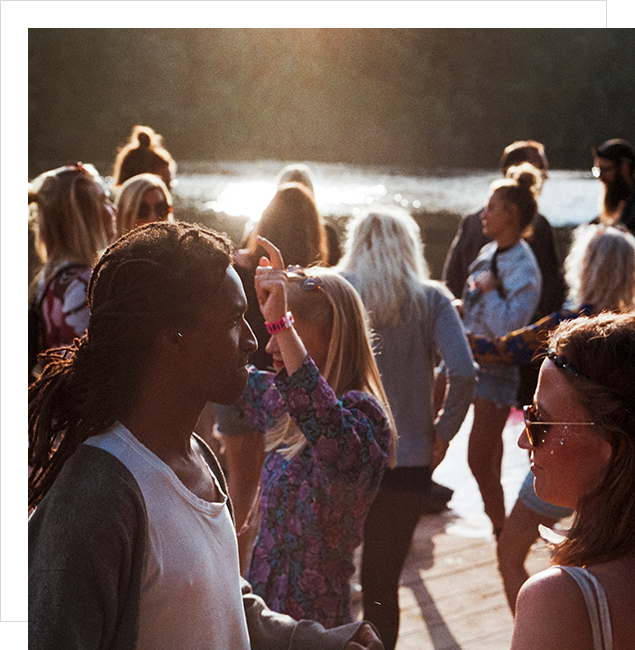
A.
x: 413, y: 98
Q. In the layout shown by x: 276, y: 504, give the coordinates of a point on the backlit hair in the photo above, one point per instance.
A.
x: 296, y: 173
x: 350, y: 365
x: 131, y: 196
x: 67, y: 214
x: 600, y: 268
x: 156, y: 277
x: 519, y: 189
x: 384, y: 254
x: 520, y: 152
x: 602, y: 350
x: 143, y: 153
x: 292, y: 222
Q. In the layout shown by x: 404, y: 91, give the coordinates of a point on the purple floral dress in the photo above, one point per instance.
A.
x: 314, y: 506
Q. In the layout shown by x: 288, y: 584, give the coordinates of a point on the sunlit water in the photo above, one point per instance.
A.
x: 244, y: 189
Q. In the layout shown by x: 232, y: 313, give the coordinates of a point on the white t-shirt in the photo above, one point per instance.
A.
x: 190, y: 592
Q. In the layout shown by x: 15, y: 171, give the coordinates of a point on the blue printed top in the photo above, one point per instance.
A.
x: 521, y: 346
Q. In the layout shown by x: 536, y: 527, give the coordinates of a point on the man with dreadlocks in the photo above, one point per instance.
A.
x: 131, y: 539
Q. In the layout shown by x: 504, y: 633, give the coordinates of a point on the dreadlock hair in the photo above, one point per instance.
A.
x: 155, y: 277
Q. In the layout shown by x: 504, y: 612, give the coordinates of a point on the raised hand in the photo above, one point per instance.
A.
x: 272, y: 287
x: 271, y: 283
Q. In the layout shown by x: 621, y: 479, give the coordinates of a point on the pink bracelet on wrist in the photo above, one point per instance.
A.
x: 282, y: 324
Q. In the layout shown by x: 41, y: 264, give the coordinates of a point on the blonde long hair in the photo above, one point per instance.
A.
x: 384, y: 252
x: 67, y: 214
x: 130, y: 197
x: 350, y: 364
x: 600, y: 268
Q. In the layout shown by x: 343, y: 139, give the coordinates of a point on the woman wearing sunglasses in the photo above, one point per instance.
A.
x: 142, y: 199
x: 580, y: 433
x: 600, y: 273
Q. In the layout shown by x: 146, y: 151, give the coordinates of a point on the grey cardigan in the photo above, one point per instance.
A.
x: 407, y: 355
x: 87, y: 548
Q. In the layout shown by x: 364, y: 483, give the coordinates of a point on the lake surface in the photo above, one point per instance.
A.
x: 243, y: 190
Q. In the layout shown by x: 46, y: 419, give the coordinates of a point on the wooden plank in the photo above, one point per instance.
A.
x: 451, y: 595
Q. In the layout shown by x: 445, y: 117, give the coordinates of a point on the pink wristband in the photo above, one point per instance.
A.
x: 279, y: 325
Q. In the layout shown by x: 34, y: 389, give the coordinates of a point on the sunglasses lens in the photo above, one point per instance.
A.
x: 532, y: 426
x: 311, y: 283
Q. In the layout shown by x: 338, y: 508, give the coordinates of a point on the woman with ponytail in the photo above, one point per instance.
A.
x: 501, y: 294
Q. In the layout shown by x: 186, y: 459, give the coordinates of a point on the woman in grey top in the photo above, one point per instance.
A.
x: 415, y: 322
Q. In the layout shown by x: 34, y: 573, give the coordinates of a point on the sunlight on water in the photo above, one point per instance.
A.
x: 244, y: 190
x: 352, y: 195
x: 243, y: 198
x: 250, y: 198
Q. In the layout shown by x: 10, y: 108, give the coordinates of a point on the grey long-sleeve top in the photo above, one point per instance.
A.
x: 407, y: 356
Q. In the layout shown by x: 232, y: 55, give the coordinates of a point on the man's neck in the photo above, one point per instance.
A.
x: 163, y: 416
x: 167, y: 433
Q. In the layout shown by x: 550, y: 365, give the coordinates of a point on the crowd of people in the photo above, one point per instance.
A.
x: 216, y: 429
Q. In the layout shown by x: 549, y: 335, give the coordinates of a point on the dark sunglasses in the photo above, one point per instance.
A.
x: 536, y: 429
x: 309, y: 282
x: 162, y: 210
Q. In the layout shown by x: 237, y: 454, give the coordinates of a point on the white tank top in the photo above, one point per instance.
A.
x: 597, y: 606
x: 190, y: 592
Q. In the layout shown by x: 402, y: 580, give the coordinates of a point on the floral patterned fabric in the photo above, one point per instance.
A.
x: 313, y: 506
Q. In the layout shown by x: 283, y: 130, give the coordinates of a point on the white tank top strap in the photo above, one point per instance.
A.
x: 597, y: 606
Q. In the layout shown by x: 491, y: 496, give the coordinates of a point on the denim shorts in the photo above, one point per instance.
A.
x: 498, y: 384
x: 529, y: 498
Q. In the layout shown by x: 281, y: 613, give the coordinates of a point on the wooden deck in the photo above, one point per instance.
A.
x: 451, y: 593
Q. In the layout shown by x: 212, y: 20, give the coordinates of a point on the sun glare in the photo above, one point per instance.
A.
x: 246, y: 199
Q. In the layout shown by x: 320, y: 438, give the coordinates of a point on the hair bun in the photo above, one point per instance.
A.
x: 144, y: 140
x: 526, y: 176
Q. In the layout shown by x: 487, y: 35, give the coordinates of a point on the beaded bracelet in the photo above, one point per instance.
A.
x: 279, y: 325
